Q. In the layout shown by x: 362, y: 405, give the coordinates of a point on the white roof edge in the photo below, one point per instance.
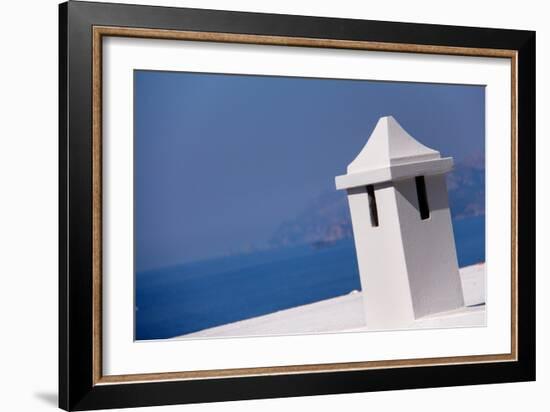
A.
x: 392, y: 173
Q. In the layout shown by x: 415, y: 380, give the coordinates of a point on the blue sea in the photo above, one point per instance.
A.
x: 190, y: 297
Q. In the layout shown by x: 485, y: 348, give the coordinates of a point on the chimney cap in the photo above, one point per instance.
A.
x: 391, y: 154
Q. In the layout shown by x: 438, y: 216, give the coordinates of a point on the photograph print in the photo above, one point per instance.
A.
x: 271, y: 205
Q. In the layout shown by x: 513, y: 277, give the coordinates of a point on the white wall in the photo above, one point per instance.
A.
x: 28, y: 202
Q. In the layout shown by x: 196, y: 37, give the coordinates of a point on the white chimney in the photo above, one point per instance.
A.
x: 404, y: 241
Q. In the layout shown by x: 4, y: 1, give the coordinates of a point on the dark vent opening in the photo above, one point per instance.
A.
x: 422, y: 197
x: 372, y: 206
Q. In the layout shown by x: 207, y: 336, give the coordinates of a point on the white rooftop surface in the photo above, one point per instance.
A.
x: 345, y: 314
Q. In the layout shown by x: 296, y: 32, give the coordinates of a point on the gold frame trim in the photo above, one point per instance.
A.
x: 100, y: 31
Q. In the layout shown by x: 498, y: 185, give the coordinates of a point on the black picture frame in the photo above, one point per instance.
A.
x: 77, y: 388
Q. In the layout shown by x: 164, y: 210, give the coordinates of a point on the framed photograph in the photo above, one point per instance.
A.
x: 256, y: 205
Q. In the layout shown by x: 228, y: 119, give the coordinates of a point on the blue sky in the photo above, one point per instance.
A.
x: 221, y: 161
